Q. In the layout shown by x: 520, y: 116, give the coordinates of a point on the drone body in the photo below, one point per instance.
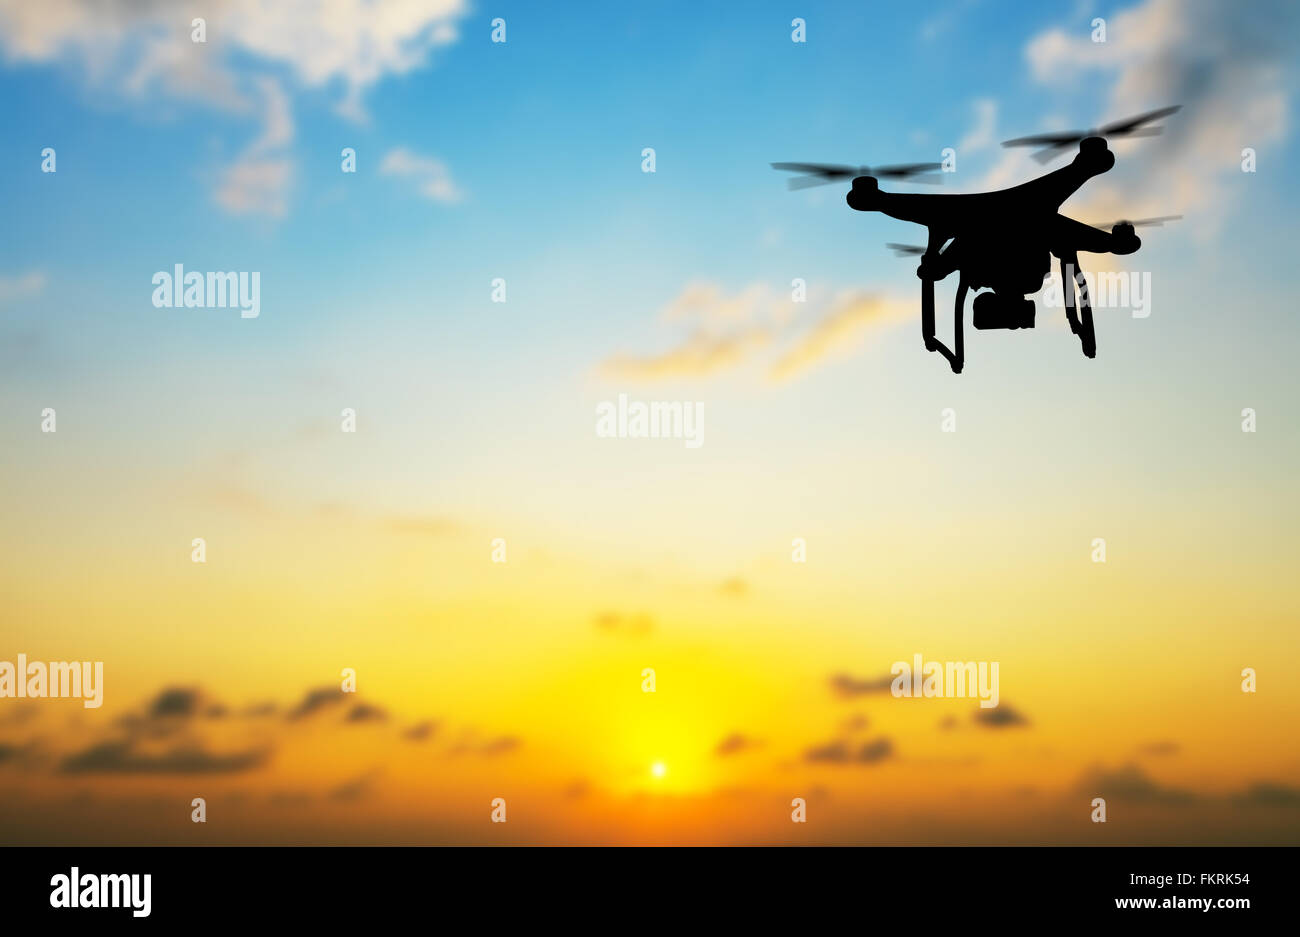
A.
x: 1001, y: 241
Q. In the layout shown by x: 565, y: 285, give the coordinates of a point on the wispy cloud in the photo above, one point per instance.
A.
x: 431, y: 177
x: 839, y: 328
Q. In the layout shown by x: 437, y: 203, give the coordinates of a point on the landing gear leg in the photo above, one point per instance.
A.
x: 927, y: 314
x: 1082, y: 327
x: 955, y: 358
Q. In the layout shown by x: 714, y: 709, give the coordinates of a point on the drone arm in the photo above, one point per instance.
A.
x: 1093, y: 159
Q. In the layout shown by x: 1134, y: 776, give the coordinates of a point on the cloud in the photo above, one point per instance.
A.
x: 1129, y: 784
x: 316, y: 700
x: 121, y: 758
x: 725, y: 330
x: 21, y: 286
x: 259, y: 181
x: 141, y: 48
x: 144, y: 44
x: 502, y: 745
x: 1000, y: 717
x: 700, y: 355
x: 364, y: 712
x: 181, y: 702
x: 1228, y: 70
x: 841, y: 326
x: 1264, y: 794
x: 847, y: 686
x: 735, y: 743
x: 840, y: 752
x: 431, y: 177
x: 421, y: 731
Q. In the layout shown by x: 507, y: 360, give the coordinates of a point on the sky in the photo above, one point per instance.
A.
x: 517, y: 166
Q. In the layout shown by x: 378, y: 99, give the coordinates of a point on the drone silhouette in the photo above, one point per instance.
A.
x: 1001, y: 240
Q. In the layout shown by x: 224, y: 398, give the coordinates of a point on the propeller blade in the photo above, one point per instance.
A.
x: 819, y: 169
x: 902, y: 250
x: 1048, y: 139
x: 1121, y: 128
x: 1053, y: 143
x: 902, y: 171
x: 1141, y: 222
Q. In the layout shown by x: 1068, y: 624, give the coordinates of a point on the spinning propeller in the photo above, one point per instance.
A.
x: 822, y: 173
x: 1140, y: 223
x: 1052, y: 143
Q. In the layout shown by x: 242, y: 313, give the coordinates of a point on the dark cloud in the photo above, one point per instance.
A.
x: 840, y: 752
x: 178, y: 702
x: 364, y: 712
x: 847, y: 687
x: 122, y: 758
x: 1264, y: 794
x: 1130, y: 784
x: 628, y: 625
x: 421, y: 731
x: 316, y: 700
x: 501, y: 745
x: 735, y: 743
x: 1000, y: 717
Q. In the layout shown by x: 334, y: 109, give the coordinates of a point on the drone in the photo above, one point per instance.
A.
x: 1002, y: 241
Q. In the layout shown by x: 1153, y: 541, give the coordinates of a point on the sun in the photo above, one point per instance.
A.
x: 659, y: 769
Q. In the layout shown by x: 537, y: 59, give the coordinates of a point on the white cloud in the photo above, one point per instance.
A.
x: 138, y: 48
x: 354, y: 43
x: 259, y: 181
x: 432, y: 178
x: 1225, y: 65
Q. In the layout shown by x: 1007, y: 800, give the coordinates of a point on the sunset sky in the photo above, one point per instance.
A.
x: 475, y: 420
